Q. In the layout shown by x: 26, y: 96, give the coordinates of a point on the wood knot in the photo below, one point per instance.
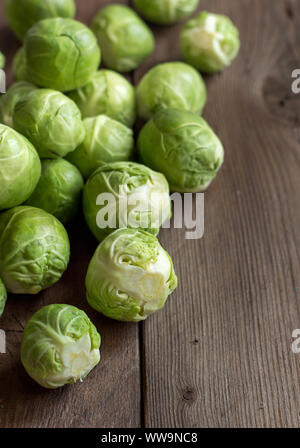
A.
x: 280, y: 99
x: 289, y: 12
x: 189, y: 394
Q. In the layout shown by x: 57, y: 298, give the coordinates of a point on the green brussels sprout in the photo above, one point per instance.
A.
x: 20, y: 168
x: 8, y: 101
x: 125, y: 40
x: 141, y: 199
x: 61, y: 54
x: 34, y: 250
x: 170, y: 85
x: 3, y: 297
x: 165, y: 12
x: 51, y: 121
x: 2, y: 60
x: 59, y: 190
x: 20, y: 65
x: 107, y: 93
x: 23, y: 14
x: 130, y: 276
x: 60, y: 345
x: 106, y: 141
x: 183, y: 147
x: 210, y: 42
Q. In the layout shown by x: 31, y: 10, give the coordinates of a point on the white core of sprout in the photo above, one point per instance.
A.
x: 78, y: 360
x: 211, y: 24
x: 149, y: 284
x: 208, y: 38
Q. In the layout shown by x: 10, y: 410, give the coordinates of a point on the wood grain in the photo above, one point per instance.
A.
x: 219, y: 354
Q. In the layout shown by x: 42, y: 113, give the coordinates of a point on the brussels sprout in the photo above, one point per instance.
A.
x: 51, y: 121
x: 165, y: 12
x: 8, y: 101
x: 2, y: 60
x: 61, y: 54
x: 59, y: 190
x: 170, y: 85
x: 125, y: 40
x: 141, y: 199
x: 107, y: 93
x: 22, y: 14
x: 106, y: 141
x: 34, y: 250
x: 3, y: 297
x: 130, y: 276
x: 60, y: 345
x: 183, y: 147
x: 20, y: 168
x: 20, y: 65
x: 210, y: 42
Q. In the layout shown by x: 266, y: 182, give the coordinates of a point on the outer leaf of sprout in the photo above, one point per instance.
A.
x: 59, y: 189
x: 20, y: 65
x: 170, y: 85
x: 108, y: 93
x: 106, y: 141
x: 22, y: 14
x: 20, y: 168
x: 183, y: 147
x: 60, y: 346
x: 126, y: 181
x: 165, y: 12
x: 130, y: 276
x: 210, y: 42
x: 34, y: 250
x: 9, y: 100
x: 125, y: 40
x: 51, y: 121
x: 61, y: 54
x: 2, y: 60
x: 3, y: 297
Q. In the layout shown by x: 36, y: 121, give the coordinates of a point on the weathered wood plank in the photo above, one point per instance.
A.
x: 110, y: 396
x: 220, y: 352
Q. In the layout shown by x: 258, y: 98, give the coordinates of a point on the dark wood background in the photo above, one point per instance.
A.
x: 219, y: 354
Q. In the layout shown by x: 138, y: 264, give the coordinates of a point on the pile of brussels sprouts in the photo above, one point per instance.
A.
x: 66, y: 136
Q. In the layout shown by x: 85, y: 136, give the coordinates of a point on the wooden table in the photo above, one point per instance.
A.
x: 219, y: 354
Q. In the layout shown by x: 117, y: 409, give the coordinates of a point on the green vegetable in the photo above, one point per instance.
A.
x: 3, y: 297
x: 183, y: 147
x: 2, y: 60
x: 127, y: 182
x: 165, y: 12
x: 61, y: 54
x: 20, y: 65
x: 170, y: 85
x: 34, y: 250
x: 20, y: 168
x: 130, y: 276
x: 107, y: 93
x: 106, y: 141
x: 125, y: 40
x: 60, y: 345
x: 8, y: 101
x: 51, y: 121
x: 210, y: 42
x: 22, y: 14
x: 59, y: 190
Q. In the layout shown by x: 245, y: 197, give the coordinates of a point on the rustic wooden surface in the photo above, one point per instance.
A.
x: 219, y: 354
